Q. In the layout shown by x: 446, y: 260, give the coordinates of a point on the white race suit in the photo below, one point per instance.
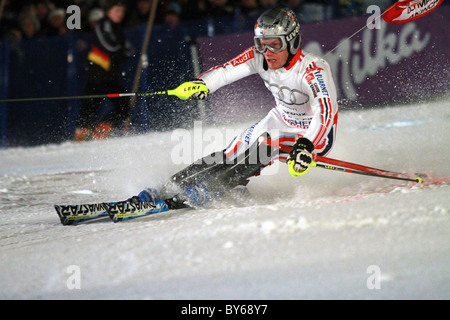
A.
x: 305, y: 96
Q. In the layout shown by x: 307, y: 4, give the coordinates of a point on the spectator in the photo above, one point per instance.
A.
x: 267, y: 4
x: 108, y: 52
x: 174, y: 6
x: 172, y: 19
x: 141, y: 13
x: 175, y: 31
x: 43, y: 9
x: 249, y: 9
x: 85, y: 11
x: 219, y: 8
x: 8, y: 22
x: 188, y: 10
x: 95, y: 15
x: 29, y: 26
x: 57, y: 23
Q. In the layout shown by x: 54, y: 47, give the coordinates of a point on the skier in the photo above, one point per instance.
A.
x: 108, y: 52
x: 304, y: 117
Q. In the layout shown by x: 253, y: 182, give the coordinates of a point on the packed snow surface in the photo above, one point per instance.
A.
x: 324, y: 235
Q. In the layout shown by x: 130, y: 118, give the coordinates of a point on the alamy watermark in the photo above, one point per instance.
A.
x: 217, y: 146
x: 374, y: 21
x: 74, y: 17
x: 73, y: 281
x: 73, y: 20
x: 374, y: 280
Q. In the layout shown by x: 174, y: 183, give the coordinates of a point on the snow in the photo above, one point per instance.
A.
x: 319, y: 236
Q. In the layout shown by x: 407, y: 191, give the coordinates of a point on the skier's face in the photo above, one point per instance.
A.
x: 274, y: 60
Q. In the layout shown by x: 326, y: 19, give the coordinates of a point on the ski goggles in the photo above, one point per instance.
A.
x: 274, y: 44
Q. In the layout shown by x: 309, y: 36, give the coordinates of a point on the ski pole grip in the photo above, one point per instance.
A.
x: 187, y: 89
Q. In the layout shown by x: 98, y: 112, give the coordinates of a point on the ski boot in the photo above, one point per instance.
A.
x: 146, y: 195
x: 196, y: 195
x: 153, y: 195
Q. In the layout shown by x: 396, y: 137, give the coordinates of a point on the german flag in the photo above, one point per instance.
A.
x: 99, y: 57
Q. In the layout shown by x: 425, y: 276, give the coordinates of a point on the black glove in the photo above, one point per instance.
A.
x: 300, y: 157
x: 200, y: 95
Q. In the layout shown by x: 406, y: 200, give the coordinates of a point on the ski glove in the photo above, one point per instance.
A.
x: 199, y: 95
x: 300, y: 157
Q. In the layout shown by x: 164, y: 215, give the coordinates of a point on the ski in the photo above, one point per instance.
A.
x: 126, y: 210
x: 74, y: 214
x: 116, y: 211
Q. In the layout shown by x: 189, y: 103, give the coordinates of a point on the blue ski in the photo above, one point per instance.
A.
x: 74, y: 214
x: 116, y: 211
x: 126, y: 210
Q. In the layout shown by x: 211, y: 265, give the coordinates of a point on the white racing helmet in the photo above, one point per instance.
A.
x: 278, y: 23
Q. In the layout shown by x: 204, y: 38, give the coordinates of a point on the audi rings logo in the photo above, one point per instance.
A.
x: 287, y: 95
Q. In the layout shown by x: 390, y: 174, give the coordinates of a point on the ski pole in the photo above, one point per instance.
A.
x: 344, y: 166
x: 183, y: 92
x: 330, y: 167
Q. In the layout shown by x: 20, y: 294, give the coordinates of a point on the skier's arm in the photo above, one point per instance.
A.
x: 242, y: 66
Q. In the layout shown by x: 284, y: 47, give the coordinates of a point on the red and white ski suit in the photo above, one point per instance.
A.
x: 305, y: 95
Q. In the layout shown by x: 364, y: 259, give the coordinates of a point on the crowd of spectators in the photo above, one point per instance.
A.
x: 29, y: 19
